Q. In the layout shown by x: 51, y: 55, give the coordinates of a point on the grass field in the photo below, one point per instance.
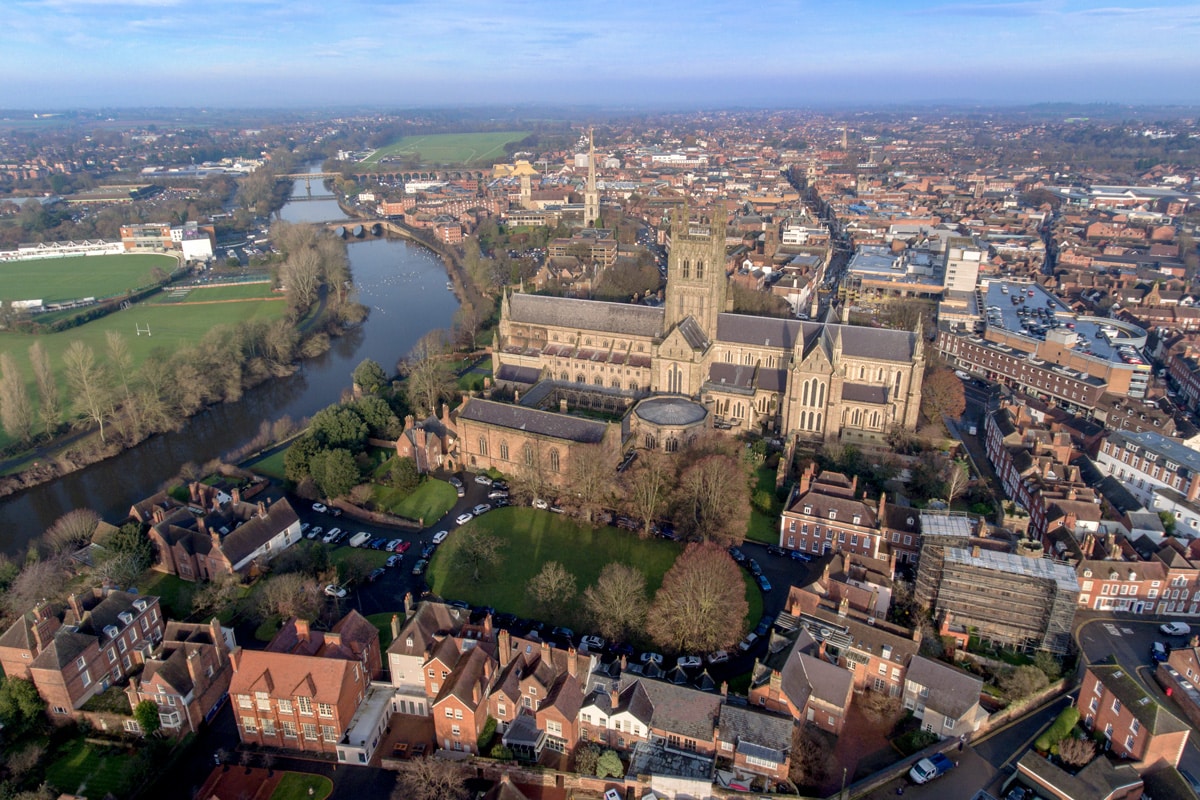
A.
x: 383, y: 623
x: 88, y: 767
x: 534, y: 537
x: 56, y: 279
x: 174, y: 593
x: 430, y: 502
x: 450, y: 148
x: 302, y: 786
x: 212, y: 294
x: 272, y: 466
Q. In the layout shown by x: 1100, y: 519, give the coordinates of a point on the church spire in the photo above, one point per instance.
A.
x: 591, y: 198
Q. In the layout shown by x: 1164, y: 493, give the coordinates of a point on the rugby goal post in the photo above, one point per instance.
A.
x: 140, y: 330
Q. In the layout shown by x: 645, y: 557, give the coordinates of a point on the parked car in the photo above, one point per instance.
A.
x: 763, y: 583
x: 541, y: 504
x: 796, y: 555
x: 359, y: 539
x: 377, y: 544
x: 455, y: 482
x: 335, y: 512
x: 320, y: 508
x: 315, y: 531
x: 403, y: 547
x: 304, y: 526
x: 496, y: 494
x: 563, y: 633
x: 504, y: 621
x: 502, y: 502
x: 754, y: 568
x: 463, y: 519
x: 501, y: 485
x: 736, y: 554
x: 330, y: 535
x: 764, y: 625
x: 483, y: 480
x: 392, y: 545
x: 620, y: 649
x: 594, y: 644
x: 428, y: 549
x: 775, y: 550
x: 927, y: 769
x: 688, y: 662
x: 1175, y: 628
x: 440, y: 537
x: 651, y: 658
x: 333, y: 590
x: 376, y: 574
x: 718, y: 657
x: 1159, y: 652
x: 745, y: 644
x: 482, y: 508
x: 419, y: 567
x: 627, y: 523
x: 394, y: 561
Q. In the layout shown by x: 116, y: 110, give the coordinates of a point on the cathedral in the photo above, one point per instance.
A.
x: 690, y: 364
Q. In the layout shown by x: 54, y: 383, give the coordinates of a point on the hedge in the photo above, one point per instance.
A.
x: 1062, y: 726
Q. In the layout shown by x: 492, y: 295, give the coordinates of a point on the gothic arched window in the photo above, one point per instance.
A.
x: 482, y: 446
x: 504, y: 451
x: 554, y: 461
x: 528, y: 454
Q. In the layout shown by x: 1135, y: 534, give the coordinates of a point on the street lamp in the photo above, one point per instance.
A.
x: 842, y: 794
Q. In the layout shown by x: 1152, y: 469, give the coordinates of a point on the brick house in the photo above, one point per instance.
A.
x: 352, y: 638
x: 944, y: 698
x: 430, y: 443
x: 541, y: 681
x: 823, y: 515
x: 1137, y: 727
x: 460, y: 707
x: 757, y: 743
x: 294, y: 702
x: 229, y: 536
x: 82, y: 650
x: 412, y: 649
x: 187, y: 677
x: 798, y: 682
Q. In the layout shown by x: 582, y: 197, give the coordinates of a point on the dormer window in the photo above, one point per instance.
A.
x: 808, y: 509
x: 857, y: 519
x: 833, y: 513
x: 409, y: 641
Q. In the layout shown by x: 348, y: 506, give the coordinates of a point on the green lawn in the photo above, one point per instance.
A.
x: 92, y: 770
x: 210, y: 294
x: 174, y: 594
x: 430, y: 501
x: 534, y: 537
x: 754, y: 599
x: 271, y: 465
x: 383, y: 623
x: 297, y: 785
x: 54, y: 280
x: 450, y: 148
x: 376, y: 558
x: 764, y: 527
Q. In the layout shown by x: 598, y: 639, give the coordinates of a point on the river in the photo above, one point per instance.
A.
x: 405, y: 287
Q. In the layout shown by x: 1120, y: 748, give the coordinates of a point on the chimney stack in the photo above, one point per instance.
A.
x: 395, y: 624
x: 262, y: 508
x: 408, y: 604
x: 504, y: 647
x: 572, y: 663
x: 853, y: 485
x: 195, y: 669
x: 302, y: 630
x: 882, y: 507
x: 237, y: 496
x: 776, y: 679
x: 615, y: 698
x: 724, y: 688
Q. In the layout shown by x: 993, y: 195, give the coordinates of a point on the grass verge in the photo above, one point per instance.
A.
x: 430, y: 501
x: 302, y: 786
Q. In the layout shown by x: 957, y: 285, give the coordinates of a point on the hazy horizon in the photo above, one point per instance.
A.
x: 268, y: 53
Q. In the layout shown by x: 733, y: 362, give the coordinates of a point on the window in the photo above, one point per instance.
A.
x: 883, y: 669
x: 528, y: 451
x: 554, y: 728
x: 458, y: 713
x: 1108, y: 730
x: 455, y: 731
x: 263, y: 701
x: 1116, y: 706
x: 310, y: 731
x: 285, y: 706
x: 112, y: 656
x: 289, y: 729
x: 325, y: 709
x: 502, y: 711
x: 1134, y: 727
x: 268, y: 726
x: 833, y: 513
x: 482, y: 446
x: 87, y: 678
x: 504, y: 451
x: 1128, y: 742
x: 81, y: 662
x: 554, y: 461
x: 244, y: 701
x: 449, y: 713
x: 305, y: 705
x: 250, y: 724
x: 1095, y: 705
x: 329, y: 733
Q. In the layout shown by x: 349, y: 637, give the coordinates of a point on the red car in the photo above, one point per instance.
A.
x: 403, y: 547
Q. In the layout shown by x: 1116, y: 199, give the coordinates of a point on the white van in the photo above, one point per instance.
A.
x: 359, y: 539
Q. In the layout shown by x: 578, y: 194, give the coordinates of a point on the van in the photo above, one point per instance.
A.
x: 359, y: 539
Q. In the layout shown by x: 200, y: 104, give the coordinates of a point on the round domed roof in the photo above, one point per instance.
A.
x: 670, y: 411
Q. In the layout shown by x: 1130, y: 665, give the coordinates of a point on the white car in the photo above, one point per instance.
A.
x: 483, y: 479
x: 320, y: 507
x: 748, y: 642
x: 1175, y: 628
x: 331, y: 535
x: 541, y: 504
x: 440, y: 537
x: 594, y: 644
x: 463, y: 519
x: 689, y: 662
x: 315, y: 532
x: 359, y: 539
x: 333, y: 590
x: 719, y: 657
x: 482, y: 508
x: 651, y: 658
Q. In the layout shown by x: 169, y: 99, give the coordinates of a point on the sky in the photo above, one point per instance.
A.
x: 677, y: 53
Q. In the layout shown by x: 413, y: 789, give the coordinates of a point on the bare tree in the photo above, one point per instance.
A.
x: 714, y: 499
x: 812, y: 756
x: 530, y: 482
x: 617, y: 603
x: 72, y: 530
x: 646, y: 488
x: 427, y: 375
x: 478, y: 551
x: 301, y: 277
x: 291, y: 595
x: 552, y: 587
x: 590, y: 478
x: 120, y: 360
x: 16, y: 409
x: 432, y: 779
x: 1076, y: 752
x: 47, y: 386
x: 942, y: 395
x: 90, y: 382
x: 40, y: 580
x: 216, y: 594
x: 702, y: 603
x: 118, y: 569
x: 956, y: 478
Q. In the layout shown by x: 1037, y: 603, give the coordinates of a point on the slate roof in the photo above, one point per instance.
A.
x: 1099, y: 780
x: 880, y: 344
x: 864, y: 393
x: 515, y: 374
x: 591, y: 315
x: 952, y: 693
x: 544, y: 423
x: 679, y: 709
x: 763, y: 331
x: 693, y: 334
x: 1156, y: 719
x: 744, y: 726
x: 731, y: 376
x: 428, y: 623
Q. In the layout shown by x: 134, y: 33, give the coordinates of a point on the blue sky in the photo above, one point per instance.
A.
x: 271, y: 53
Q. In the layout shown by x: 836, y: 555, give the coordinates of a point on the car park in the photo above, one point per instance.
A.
x: 440, y: 537
x: 320, y: 508
x: 1175, y: 628
x: 419, y: 567
x: 482, y: 508
x: 688, y: 662
x: 463, y: 519
x: 718, y: 657
x: 333, y: 590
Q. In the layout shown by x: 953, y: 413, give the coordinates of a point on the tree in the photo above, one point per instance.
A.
x: 589, y: 478
x: 131, y: 538
x: 586, y: 757
x: 120, y: 360
x: 217, y: 593
x: 1076, y: 752
x: 90, y: 383
x: 21, y: 707
x: 553, y: 586
x: 297, y: 459
x: 72, y: 530
x: 466, y: 325
x: 39, y: 580
x: 1048, y: 664
x: 335, y: 472
x: 1023, y: 681
x: 714, y: 499
x: 432, y: 779
x: 339, y: 426
x: 378, y: 415
x: 146, y: 714
x: 942, y: 395
x: 118, y: 569
x: 702, y: 603
x: 291, y: 595
x: 478, y: 551
x: 16, y: 409
x: 617, y: 602
x: 812, y: 757
x: 646, y: 488
x: 428, y: 378
x: 47, y: 386
x: 355, y: 567
x: 369, y: 376
x: 956, y: 477
x: 609, y: 765
x: 402, y: 474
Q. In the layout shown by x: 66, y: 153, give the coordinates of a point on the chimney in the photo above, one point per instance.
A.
x: 882, y: 507
x: 504, y: 647
x: 216, y: 540
x: 475, y: 693
x: 572, y: 663
x: 195, y: 669
x: 262, y: 508
x: 854, y: 485
x: 43, y: 632
x: 234, y: 656
x: 615, y: 698
x: 976, y: 551
x: 843, y: 607
x: 157, y: 515
x: 302, y: 631
x: 487, y: 627
x: 776, y: 680
x: 806, y: 478
x: 623, y: 662
x: 201, y: 525
x: 409, y: 421
x: 916, y: 635
x: 724, y: 688
x: 237, y: 496
x: 395, y: 627
x: 75, y: 601
x: 545, y: 650
x: 408, y: 604
x: 1193, y: 491
x: 194, y: 492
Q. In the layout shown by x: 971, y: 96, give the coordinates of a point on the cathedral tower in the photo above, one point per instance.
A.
x: 591, y: 198
x: 696, y: 281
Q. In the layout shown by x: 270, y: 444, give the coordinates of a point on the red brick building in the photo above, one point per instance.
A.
x: 187, y: 677
x: 823, y: 515
x: 1112, y: 702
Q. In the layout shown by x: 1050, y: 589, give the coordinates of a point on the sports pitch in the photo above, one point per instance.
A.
x: 450, y: 148
x: 54, y: 280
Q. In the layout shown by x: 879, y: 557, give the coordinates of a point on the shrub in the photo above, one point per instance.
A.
x: 486, y: 736
x: 1062, y: 726
x: 609, y: 765
x: 502, y: 753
